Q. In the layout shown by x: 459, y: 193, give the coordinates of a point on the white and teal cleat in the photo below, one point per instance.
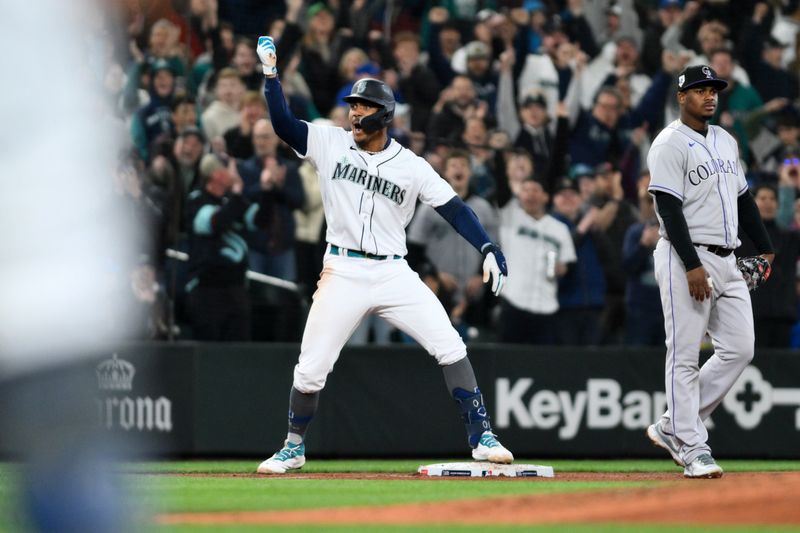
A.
x: 490, y: 449
x: 290, y: 457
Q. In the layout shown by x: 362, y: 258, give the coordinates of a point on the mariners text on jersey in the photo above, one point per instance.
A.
x: 346, y: 170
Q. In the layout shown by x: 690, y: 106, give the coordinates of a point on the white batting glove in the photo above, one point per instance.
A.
x: 267, y: 55
x: 494, y: 265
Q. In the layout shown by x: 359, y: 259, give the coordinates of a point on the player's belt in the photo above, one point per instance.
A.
x: 715, y: 249
x: 335, y: 250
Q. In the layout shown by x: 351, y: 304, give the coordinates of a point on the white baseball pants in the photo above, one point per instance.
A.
x: 351, y: 287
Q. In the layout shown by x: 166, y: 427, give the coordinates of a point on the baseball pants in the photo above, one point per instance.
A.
x: 350, y: 288
x: 693, y: 393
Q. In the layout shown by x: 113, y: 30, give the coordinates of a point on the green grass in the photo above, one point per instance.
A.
x: 164, y: 493
x: 228, y: 494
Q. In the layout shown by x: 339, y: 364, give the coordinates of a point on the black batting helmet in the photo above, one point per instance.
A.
x: 378, y: 93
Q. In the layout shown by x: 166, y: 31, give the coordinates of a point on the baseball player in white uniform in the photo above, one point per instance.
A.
x: 370, y: 185
x: 701, y: 198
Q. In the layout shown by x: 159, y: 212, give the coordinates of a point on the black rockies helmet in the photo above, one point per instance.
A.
x: 378, y: 93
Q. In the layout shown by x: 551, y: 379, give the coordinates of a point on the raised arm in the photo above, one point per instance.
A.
x: 293, y: 131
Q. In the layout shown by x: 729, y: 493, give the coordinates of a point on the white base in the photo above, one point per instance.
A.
x: 482, y: 469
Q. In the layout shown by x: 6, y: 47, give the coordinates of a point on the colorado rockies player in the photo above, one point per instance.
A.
x: 370, y: 185
x: 701, y: 198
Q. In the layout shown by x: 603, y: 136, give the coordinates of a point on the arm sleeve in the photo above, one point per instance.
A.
x: 294, y: 132
x: 465, y: 222
x: 670, y: 210
x: 750, y: 221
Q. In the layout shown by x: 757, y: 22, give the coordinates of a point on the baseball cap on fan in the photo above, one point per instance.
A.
x: 316, y: 8
x: 534, y: 98
x: 700, y: 75
x: 478, y: 50
x: 565, y: 184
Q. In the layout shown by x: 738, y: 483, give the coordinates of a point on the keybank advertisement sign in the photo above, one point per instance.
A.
x: 573, y: 405
x: 601, y: 405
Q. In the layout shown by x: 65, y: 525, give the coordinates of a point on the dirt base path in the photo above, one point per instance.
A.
x: 738, y: 499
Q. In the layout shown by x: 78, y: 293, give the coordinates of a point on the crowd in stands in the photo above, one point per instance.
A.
x: 539, y: 113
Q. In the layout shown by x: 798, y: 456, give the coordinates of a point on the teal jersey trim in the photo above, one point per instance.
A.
x: 250, y: 217
x: 236, y: 248
x: 202, y: 220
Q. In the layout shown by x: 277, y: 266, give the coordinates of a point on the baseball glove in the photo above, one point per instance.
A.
x: 755, y: 270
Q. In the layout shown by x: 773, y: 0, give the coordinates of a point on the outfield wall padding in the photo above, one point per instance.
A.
x: 194, y: 399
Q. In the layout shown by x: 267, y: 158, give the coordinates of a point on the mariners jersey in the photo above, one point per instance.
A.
x: 526, y: 243
x: 368, y: 198
x: 705, y: 174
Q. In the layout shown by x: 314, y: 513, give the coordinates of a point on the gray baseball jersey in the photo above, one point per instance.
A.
x: 705, y: 174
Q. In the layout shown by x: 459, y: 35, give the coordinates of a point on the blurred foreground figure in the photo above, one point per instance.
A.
x: 63, y: 262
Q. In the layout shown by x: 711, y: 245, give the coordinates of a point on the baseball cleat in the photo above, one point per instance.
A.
x: 489, y: 449
x: 290, y: 457
x: 703, y: 467
x: 668, y: 442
